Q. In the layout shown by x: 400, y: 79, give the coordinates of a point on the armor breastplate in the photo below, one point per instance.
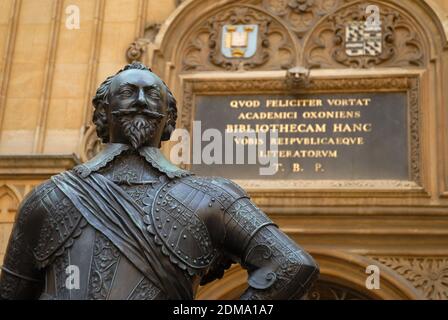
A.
x: 176, y: 216
x: 70, y: 248
x: 173, y: 221
x: 171, y: 212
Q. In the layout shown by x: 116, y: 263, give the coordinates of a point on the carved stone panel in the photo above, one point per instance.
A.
x: 300, y: 16
x: 289, y: 33
x: 396, y: 43
x: 428, y: 274
x: 239, y: 29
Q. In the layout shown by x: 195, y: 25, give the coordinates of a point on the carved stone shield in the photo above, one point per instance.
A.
x: 362, y: 40
x: 239, y: 41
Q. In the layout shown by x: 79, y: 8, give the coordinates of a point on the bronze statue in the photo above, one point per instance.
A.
x: 135, y: 226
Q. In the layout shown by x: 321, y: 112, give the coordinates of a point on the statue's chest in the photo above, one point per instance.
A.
x: 170, y: 214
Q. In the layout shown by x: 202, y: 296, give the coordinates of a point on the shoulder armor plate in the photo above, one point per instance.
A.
x: 62, y: 224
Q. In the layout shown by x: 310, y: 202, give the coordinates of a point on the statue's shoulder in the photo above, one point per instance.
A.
x: 48, y: 219
x: 222, y: 190
x: 32, y: 208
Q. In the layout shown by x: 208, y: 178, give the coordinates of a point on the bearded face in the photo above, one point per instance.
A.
x: 139, y: 129
x: 137, y: 109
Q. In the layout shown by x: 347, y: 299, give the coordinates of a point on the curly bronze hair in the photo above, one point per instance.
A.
x: 100, y: 101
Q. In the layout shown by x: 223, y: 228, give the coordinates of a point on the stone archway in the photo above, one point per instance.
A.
x: 183, y: 31
x: 342, y: 278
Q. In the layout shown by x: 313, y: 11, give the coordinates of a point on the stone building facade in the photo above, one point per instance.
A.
x: 50, y: 68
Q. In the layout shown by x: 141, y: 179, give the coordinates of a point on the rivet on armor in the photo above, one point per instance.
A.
x: 172, y: 245
x: 160, y: 196
x: 185, y: 237
x: 178, y: 210
x: 174, y: 227
x: 178, y: 251
x: 157, y: 218
x: 159, y: 226
x: 194, y: 261
x: 213, y: 199
x: 168, y: 220
x: 157, y: 209
x: 165, y: 235
x: 158, y: 202
x: 186, y: 257
x: 209, y: 204
x: 164, y: 189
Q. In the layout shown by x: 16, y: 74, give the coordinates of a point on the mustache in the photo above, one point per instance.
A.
x: 132, y: 111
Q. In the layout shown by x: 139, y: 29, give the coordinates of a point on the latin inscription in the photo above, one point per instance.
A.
x: 319, y: 136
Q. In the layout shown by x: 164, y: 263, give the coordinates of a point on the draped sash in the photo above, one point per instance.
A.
x: 111, y: 211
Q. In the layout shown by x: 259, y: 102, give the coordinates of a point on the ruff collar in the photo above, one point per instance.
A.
x: 152, y: 155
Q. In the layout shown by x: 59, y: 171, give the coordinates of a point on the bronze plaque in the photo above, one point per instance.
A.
x: 320, y: 136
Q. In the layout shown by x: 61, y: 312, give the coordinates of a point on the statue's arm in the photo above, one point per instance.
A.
x: 278, y: 268
x: 20, y: 278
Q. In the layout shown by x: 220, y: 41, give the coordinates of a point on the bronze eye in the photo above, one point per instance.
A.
x: 126, y: 93
x: 152, y: 93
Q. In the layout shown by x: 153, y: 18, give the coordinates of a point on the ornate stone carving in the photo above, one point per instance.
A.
x: 414, y: 123
x: 244, y: 16
x: 151, y: 31
x: 297, y: 76
x: 274, y: 46
x: 401, y: 42
x: 331, y: 184
x: 301, y: 15
x: 301, y: 6
x: 263, y: 85
x: 430, y: 275
x: 136, y: 50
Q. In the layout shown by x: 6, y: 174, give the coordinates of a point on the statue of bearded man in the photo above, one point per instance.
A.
x: 129, y: 224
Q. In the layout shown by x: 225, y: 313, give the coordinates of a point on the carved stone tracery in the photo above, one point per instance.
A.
x: 274, y: 45
x: 428, y: 274
x: 309, y: 33
x: 402, y: 44
x: 300, y: 16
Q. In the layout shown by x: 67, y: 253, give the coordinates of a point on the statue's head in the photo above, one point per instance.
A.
x: 135, y: 107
